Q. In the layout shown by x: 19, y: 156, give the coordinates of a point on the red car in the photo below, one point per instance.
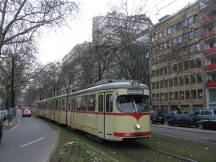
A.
x: 26, y: 112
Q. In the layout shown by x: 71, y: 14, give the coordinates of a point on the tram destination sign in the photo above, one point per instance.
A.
x: 135, y: 91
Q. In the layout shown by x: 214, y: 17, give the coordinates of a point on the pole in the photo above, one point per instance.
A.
x: 12, y: 84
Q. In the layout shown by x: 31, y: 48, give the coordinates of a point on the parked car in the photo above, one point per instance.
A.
x: 26, y: 112
x: 182, y: 120
x: 157, y: 117
x: 3, y: 115
x: 170, y: 115
x: 207, y: 124
x: 203, y: 114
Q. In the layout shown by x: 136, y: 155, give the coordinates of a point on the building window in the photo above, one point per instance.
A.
x: 170, y: 83
x: 198, y: 62
x: 153, y: 85
x: 161, y: 71
x: 187, y: 80
x: 196, y: 33
x: 153, y: 73
x: 184, y: 24
x: 173, y: 29
x: 161, y: 96
x: 187, y: 95
x: 193, y: 79
x: 166, y: 96
x: 171, y: 95
x: 179, y: 40
x: 170, y: 43
x: 181, y: 81
x: 193, y: 94
x: 182, y: 95
x: 165, y: 70
x: 192, y: 64
x: 161, y: 84
x: 212, y: 94
x: 186, y: 65
x: 157, y: 85
x: 153, y: 97
x: 157, y: 97
x: 199, y: 78
x: 175, y: 68
x: 175, y: 82
x: 174, y: 41
x: 180, y: 66
x: 199, y: 93
x: 169, y: 30
x: 190, y: 20
x: 165, y: 83
x: 176, y: 96
x: 191, y: 35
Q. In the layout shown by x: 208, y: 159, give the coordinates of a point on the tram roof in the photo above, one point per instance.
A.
x: 115, y: 85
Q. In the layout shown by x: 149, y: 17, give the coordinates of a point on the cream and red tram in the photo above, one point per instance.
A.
x: 112, y: 111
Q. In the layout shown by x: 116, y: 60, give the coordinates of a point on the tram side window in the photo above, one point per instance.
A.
x: 85, y: 103
x: 73, y: 104
x: 91, y: 102
x: 56, y: 104
x: 63, y: 104
x: 46, y: 105
x: 79, y: 103
x: 100, y: 103
x: 59, y: 104
x: 109, y: 103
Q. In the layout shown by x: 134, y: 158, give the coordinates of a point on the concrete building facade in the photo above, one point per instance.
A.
x: 208, y: 24
x: 176, y: 62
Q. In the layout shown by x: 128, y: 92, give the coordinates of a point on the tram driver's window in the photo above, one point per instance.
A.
x: 109, y: 103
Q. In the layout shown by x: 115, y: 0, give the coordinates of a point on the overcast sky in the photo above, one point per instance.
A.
x: 55, y: 44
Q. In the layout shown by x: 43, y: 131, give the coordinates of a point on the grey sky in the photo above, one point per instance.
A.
x: 55, y: 44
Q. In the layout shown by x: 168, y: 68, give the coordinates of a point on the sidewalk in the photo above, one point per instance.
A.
x: 185, y: 129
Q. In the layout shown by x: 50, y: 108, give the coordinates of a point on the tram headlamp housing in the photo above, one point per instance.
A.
x: 137, y: 126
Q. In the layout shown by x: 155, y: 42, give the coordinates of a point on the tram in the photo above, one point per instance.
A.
x: 111, y: 111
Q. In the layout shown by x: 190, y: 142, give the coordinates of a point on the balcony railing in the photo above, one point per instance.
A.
x: 210, y: 51
x: 211, y: 84
x: 208, y: 34
x: 207, y: 20
x: 210, y: 67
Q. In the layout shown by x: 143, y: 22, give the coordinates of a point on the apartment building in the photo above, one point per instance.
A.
x: 176, y: 62
x: 208, y: 24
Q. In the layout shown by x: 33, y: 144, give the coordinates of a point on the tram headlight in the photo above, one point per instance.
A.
x: 137, y: 126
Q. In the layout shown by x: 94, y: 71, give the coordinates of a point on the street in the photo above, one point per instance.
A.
x: 31, y: 140
x: 184, y: 133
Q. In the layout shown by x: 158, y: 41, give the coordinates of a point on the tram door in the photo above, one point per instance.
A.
x: 104, y: 118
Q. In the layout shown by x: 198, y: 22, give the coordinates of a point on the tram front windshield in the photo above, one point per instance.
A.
x: 133, y: 103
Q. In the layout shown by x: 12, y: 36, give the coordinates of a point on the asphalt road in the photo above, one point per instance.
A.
x: 31, y: 140
x: 185, y: 133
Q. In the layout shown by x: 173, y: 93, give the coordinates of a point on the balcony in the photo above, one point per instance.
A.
x: 210, y: 51
x: 208, y: 34
x: 210, y: 67
x: 211, y: 84
x: 207, y: 20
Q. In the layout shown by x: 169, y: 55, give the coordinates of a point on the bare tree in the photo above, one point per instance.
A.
x: 126, y: 40
x: 20, y: 19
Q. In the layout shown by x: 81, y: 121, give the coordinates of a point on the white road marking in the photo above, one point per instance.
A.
x: 40, y: 139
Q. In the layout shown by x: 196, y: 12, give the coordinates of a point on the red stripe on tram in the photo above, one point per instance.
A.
x: 132, y: 134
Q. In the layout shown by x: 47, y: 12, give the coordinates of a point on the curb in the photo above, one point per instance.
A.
x: 185, y: 129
